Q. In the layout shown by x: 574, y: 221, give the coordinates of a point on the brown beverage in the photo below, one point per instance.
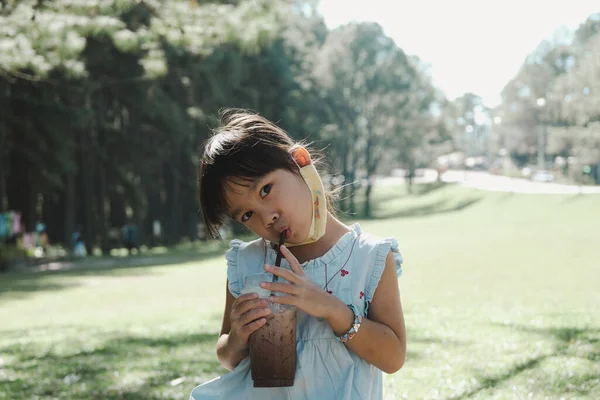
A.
x: 273, y: 346
x: 273, y: 349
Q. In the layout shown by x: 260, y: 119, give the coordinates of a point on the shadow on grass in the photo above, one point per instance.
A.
x: 588, y: 348
x: 423, y: 189
x: 489, y: 382
x: 505, y: 196
x: 438, y: 207
x: 414, y: 338
x: 586, y: 338
x: 379, y: 200
x: 573, y: 198
x: 19, y: 286
x: 130, y: 367
x: 425, y: 206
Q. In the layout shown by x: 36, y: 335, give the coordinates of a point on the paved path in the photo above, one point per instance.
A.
x: 486, y: 181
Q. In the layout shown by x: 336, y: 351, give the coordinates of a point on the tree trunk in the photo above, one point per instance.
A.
x: 101, y: 200
x: 345, y: 168
x: 4, y: 155
x: 172, y: 184
x: 20, y: 191
x: 352, y: 176
x: 352, y: 202
x: 52, y: 215
x: 70, y: 208
x: 117, y: 209
x: 370, y: 166
x: 410, y: 176
x: 4, y: 151
x: 154, y: 214
x: 31, y: 210
x: 367, y: 210
x: 2, y: 186
x: 87, y: 189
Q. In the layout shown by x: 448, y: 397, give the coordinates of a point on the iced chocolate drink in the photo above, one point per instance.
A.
x: 273, y: 349
x: 273, y: 346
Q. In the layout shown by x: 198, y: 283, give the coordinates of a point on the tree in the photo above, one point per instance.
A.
x: 370, y: 89
x: 551, y: 105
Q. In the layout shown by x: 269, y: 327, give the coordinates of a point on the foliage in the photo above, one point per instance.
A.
x: 557, y: 88
x: 104, y: 102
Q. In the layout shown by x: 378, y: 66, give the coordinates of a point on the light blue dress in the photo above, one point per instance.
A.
x: 325, y: 368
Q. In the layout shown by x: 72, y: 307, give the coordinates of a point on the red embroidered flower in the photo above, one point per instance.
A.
x: 362, y: 294
x: 344, y: 272
x: 330, y: 292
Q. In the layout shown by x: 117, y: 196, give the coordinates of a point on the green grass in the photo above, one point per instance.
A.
x: 500, y: 291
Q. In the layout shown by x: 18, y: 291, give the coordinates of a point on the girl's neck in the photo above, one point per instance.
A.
x: 333, y: 232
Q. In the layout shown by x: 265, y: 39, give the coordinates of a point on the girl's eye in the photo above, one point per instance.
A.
x: 246, y: 216
x: 265, y: 190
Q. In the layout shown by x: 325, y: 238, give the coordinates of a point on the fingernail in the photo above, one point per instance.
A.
x: 263, y: 284
x: 267, y: 267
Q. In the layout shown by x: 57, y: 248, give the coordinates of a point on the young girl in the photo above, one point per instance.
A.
x: 342, y: 280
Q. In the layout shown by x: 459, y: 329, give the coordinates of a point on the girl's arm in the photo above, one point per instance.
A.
x: 381, y: 339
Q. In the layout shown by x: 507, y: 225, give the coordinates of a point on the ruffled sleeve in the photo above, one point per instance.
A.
x: 383, y: 248
x: 233, y: 273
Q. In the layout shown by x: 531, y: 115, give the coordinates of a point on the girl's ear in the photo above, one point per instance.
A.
x: 301, y: 157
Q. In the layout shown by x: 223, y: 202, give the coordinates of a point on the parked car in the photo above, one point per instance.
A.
x: 542, y: 176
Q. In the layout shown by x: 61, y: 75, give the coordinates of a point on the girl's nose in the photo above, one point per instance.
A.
x: 270, y: 219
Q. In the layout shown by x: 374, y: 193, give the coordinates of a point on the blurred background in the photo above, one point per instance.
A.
x: 470, y: 130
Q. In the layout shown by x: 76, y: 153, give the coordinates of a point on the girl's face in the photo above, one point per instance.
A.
x: 280, y: 200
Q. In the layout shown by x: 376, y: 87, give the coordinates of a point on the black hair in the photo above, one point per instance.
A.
x: 246, y: 146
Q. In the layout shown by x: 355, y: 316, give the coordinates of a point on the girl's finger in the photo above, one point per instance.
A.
x: 249, y: 305
x: 290, y: 300
x: 243, y: 298
x: 280, y: 287
x: 293, y: 261
x: 283, y: 273
x: 253, y: 326
x: 254, y: 315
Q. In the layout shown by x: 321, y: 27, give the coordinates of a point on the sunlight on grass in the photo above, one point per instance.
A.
x: 499, y: 292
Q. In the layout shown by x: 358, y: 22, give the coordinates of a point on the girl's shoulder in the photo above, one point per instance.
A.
x: 243, y: 259
x: 241, y: 252
x: 376, y: 249
x: 254, y: 246
x: 370, y: 262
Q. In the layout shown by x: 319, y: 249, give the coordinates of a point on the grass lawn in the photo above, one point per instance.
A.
x: 500, y: 293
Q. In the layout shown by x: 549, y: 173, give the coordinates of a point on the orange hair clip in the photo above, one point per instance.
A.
x: 301, y: 157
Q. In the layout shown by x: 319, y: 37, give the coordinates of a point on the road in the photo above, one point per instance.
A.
x: 486, y: 181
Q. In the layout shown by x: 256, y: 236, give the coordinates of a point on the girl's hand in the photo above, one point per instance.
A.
x: 302, y: 292
x: 248, y: 314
